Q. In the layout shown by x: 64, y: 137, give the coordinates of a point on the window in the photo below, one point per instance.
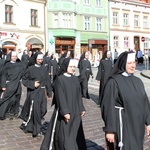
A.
x: 34, y: 17
x: 145, y: 22
x: 146, y: 43
x: 8, y: 14
x: 56, y: 20
x: 136, y: 20
x: 87, y: 23
x: 125, y: 19
x: 126, y: 42
x: 99, y: 24
x: 115, y: 18
x: 66, y: 20
x: 116, y: 41
x: 98, y: 2
x: 87, y: 2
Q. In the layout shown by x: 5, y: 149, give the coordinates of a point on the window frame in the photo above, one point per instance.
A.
x: 126, y: 42
x: 125, y: 19
x: 9, y: 14
x: 147, y: 23
x: 136, y: 20
x: 115, y: 18
x: 87, y: 2
x: 116, y: 41
x: 66, y: 20
x: 86, y: 23
x: 98, y: 3
x: 34, y: 17
x: 98, y: 24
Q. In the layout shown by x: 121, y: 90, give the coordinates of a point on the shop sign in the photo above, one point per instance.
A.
x: 9, y: 35
x: 36, y: 46
x: 65, y: 42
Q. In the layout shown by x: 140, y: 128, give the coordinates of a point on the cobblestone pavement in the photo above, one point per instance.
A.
x: 12, y: 138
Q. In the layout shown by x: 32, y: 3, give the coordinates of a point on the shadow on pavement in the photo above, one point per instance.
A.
x: 95, y: 98
x: 93, y: 146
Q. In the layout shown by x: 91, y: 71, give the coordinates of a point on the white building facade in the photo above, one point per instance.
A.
x: 129, y: 25
x: 22, y: 25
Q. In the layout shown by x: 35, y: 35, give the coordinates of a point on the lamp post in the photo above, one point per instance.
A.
x: 109, y: 24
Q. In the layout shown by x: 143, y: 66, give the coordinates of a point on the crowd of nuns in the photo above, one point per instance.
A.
x: 45, y: 78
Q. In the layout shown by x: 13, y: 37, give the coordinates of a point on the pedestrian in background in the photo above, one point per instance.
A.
x: 68, y: 112
x: 54, y: 67
x: 104, y: 69
x: 149, y: 55
x: 125, y: 106
x: 139, y: 57
x: 66, y: 54
x: 85, y: 73
x: 20, y: 53
x: 38, y: 87
x: 25, y: 59
x: 115, y: 56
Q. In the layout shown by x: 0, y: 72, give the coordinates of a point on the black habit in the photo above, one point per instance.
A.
x: 103, y: 73
x: 35, y: 106
x: 67, y: 100
x: 85, y: 72
x: 10, y: 79
x: 126, y: 94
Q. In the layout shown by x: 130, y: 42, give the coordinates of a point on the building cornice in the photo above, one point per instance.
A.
x: 131, y: 2
x: 21, y: 31
x: 38, y: 1
x: 131, y: 31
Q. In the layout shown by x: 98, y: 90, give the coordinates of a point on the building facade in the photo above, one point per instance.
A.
x: 22, y: 25
x: 129, y: 25
x: 77, y: 25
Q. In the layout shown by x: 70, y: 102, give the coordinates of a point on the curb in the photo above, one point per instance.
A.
x: 146, y: 73
x: 93, y: 86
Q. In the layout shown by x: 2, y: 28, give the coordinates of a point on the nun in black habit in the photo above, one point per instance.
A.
x: 38, y: 85
x: 68, y: 133
x: 11, y: 86
x: 104, y: 70
x: 54, y: 67
x: 25, y: 59
x: 125, y: 106
x: 66, y: 54
x: 85, y: 71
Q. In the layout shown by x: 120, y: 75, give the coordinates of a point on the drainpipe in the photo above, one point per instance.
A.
x: 109, y: 24
x: 45, y: 25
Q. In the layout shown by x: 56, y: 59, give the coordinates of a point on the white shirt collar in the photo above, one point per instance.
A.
x: 67, y: 75
x: 126, y: 74
x: 36, y: 65
x: 13, y: 62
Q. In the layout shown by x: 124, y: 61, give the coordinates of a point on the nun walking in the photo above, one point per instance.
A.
x: 66, y: 120
x: 104, y: 69
x: 85, y: 71
x: 11, y: 86
x: 38, y: 87
x: 126, y: 109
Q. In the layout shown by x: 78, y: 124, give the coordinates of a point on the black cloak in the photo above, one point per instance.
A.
x: 104, y: 69
x: 126, y: 109
x: 35, y: 106
x: 67, y: 99
x: 10, y: 79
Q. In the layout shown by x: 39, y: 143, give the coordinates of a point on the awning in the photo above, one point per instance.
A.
x: 34, y: 41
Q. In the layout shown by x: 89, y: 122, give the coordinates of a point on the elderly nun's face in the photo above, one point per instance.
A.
x: 130, y: 67
x: 14, y: 57
x: 39, y: 61
x: 71, y: 67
